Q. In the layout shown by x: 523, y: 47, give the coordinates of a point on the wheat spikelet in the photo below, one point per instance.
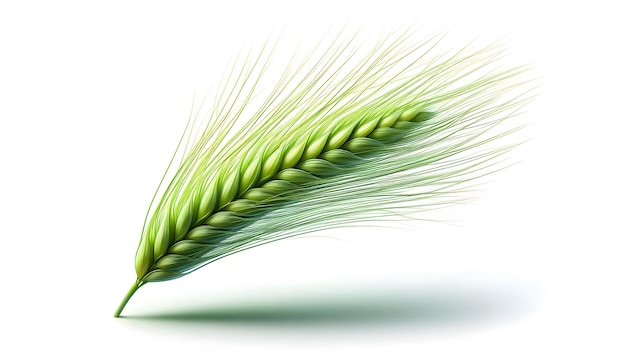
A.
x: 331, y: 145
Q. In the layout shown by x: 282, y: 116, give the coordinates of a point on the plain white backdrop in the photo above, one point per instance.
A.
x: 93, y: 97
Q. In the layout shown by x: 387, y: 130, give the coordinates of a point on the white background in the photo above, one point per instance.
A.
x: 93, y: 98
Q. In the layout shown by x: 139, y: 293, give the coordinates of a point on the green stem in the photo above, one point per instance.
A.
x: 130, y: 294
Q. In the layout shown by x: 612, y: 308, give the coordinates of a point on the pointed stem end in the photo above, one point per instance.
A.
x: 130, y: 294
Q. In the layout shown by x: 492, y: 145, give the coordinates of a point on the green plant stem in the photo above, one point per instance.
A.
x: 130, y: 294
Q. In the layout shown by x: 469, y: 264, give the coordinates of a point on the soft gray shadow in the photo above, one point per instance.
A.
x: 364, y: 306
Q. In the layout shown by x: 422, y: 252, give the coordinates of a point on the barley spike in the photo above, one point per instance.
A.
x: 339, y: 139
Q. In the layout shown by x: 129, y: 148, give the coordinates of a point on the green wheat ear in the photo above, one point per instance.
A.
x: 347, y: 134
